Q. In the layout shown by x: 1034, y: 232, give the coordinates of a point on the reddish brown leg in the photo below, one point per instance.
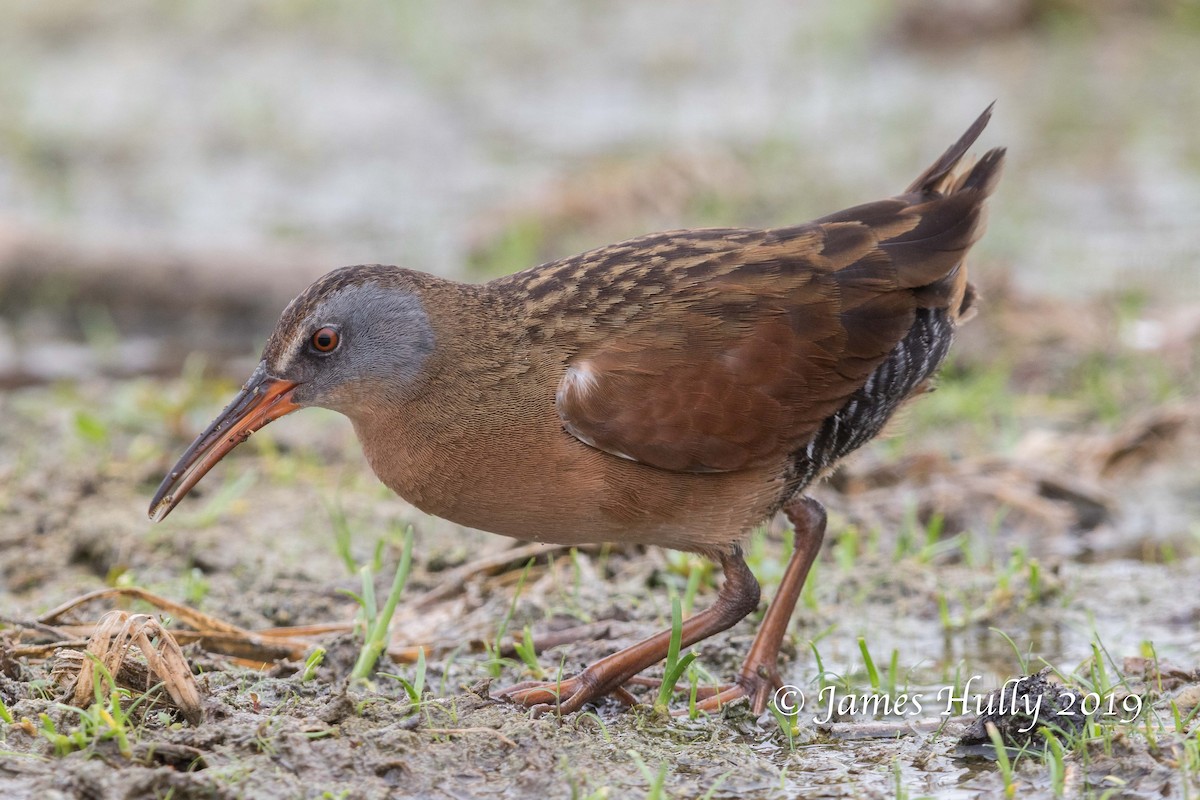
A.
x: 738, y: 597
x: 759, y: 676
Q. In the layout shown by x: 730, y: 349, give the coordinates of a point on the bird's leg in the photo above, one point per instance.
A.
x: 759, y: 676
x: 738, y: 596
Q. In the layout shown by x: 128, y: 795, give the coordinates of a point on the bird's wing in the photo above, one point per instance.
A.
x: 714, y: 351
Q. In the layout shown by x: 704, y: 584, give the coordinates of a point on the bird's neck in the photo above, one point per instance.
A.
x: 471, y: 410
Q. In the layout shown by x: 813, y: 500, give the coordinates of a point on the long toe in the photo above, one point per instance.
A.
x: 564, y: 697
x: 749, y: 685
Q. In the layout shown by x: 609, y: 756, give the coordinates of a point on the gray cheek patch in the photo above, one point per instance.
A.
x: 387, y: 335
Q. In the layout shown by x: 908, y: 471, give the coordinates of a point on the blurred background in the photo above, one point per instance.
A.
x: 172, y: 173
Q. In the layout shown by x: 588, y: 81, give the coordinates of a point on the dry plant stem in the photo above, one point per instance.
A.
x: 33, y: 625
x: 590, y: 632
x: 452, y: 581
x: 118, y: 631
x: 45, y: 650
x: 214, y: 634
x: 252, y: 649
x: 185, y: 614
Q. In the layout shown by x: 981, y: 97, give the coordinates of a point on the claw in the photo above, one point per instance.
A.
x: 563, y: 697
x: 754, y: 684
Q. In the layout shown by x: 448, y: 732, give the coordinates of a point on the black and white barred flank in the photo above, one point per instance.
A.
x: 914, y: 360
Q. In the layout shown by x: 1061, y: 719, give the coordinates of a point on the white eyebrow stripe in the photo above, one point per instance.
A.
x: 289, y: 353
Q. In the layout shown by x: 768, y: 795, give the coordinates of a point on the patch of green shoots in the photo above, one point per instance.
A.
x: 958, y: 690
x: 1022, y: 565
x: 91, y: 428
x: 869, y: 665
x: 1034, y: 579
x: 788, y: 724
x: 764, y: 560
x: 576, y: 576
x: 847, y: 547
x: 808, y: 592
x: 64, y: 744
x: 229, y: 493
x: 119, y: 576
x: 906, y: 538
x: 821, y: 673
x: 106, y: 719
x: 657, y: 780
x: 342, y: 536
x: 516, y: 247
x: 496, y: 662
x: 593, y: 716
x: 1183, y: 722
x: 981, y: 398
x: 1054, y: 757
x: 826, y: 678
x: 196, y: 587
x: 527, y: 652
x: 311, y: 664
x: 1002, y: 761
x: 934, y: 529
x: 943, y: 604
x: 716, y: 785
x: 1097, y: 672
x: 693, y: 675
x: 1022, y: 658
x: 415, y: 689
x: 675, y: 665
x: 1189, y: 764
x: 5, y: 714
x: 898, y: 779
x: 379, y: 620
x: 447, y: 664
x: 888, y: 688
x: 696, y: 572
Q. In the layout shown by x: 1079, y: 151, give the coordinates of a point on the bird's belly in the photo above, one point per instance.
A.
x: 568, y: 493
x: 618, y: 501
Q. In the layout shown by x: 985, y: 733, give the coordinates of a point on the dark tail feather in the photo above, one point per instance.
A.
x: 952, y: 210
x: 983, y: 175
x: 932, y: 179
x: 926, y: 232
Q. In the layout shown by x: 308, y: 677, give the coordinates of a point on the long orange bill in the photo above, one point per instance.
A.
x: 261, y: 400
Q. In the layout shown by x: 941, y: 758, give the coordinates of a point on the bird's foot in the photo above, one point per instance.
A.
x: 756, y: 684
x: 562, y: 696
x: 608, y: 676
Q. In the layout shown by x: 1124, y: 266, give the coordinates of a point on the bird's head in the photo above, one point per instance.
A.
x: 356, y: 341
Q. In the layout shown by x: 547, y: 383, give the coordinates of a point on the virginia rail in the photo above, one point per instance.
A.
x: 675, y: 389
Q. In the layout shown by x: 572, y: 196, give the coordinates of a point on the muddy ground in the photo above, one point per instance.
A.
x: 1042, y: 508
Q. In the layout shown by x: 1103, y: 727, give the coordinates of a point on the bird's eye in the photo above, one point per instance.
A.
x: 325, y: 340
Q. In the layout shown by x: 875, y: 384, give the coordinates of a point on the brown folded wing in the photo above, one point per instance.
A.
x: 753, y: 338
